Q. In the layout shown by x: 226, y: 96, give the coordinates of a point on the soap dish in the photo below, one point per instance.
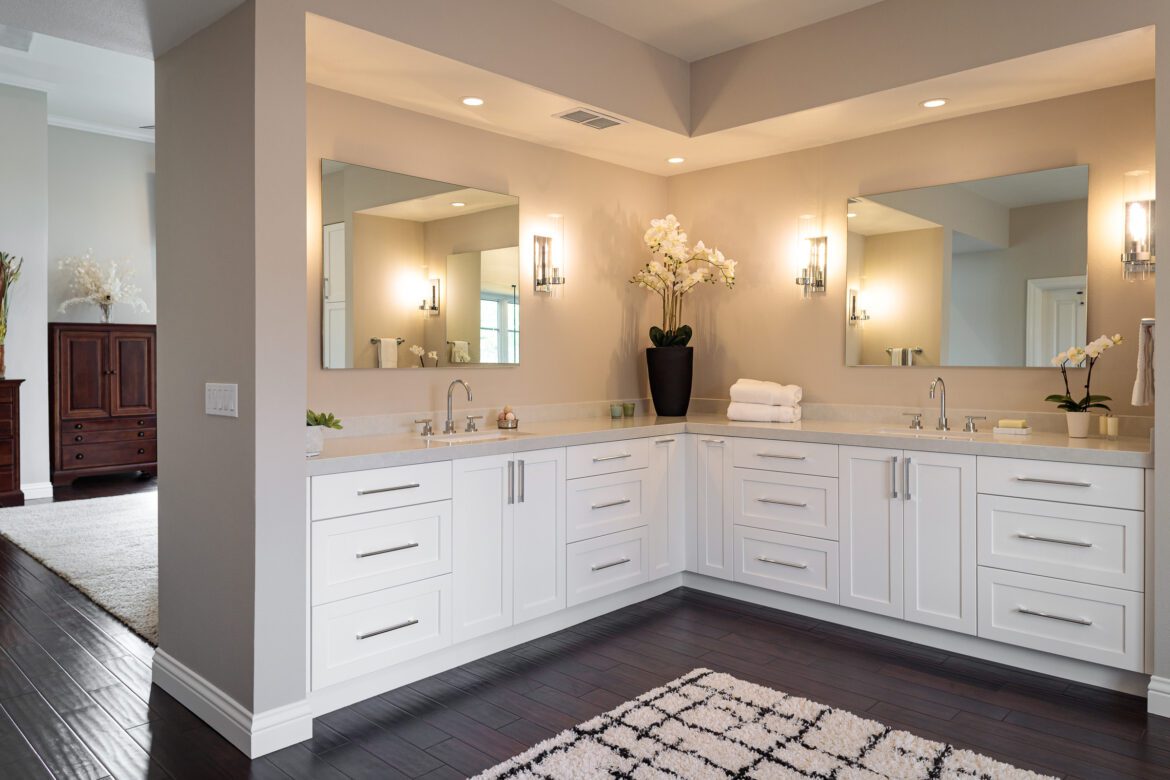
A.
x: 508, y: 425
x: 1012, y: 431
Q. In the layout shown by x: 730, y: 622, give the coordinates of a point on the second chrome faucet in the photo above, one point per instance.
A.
x: 449, y: 425
x: 940, y: 387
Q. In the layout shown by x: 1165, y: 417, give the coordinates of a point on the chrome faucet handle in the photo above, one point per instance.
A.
x: 471, y: 418
x: 428, y: 429
x: 916, y: 423
x: 970, y: 426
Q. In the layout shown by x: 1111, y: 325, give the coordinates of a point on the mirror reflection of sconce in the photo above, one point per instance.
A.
x: 816, y: 252
x: 431, y: 305
x: 1138, y: 256
x: 856, y: 313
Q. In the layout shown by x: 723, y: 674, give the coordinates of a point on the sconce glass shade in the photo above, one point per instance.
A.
x: 815, y: 249
x: 856, y: 313
x: 1138, y: 254
x: 431, y: 305
x: 547, y: 267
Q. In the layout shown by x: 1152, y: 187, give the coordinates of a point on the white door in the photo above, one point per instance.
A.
x: 666, y: 506
x: 334, y: 335
x: 1056, y: 318
x: 713, y: 513
x: 333, y: 261
x: 940, y: 540
x: 483, y: 498
x: 538, y: 561
x: 871, y: 529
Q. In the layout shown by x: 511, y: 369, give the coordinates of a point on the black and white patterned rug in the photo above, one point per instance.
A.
x: 711, y: 725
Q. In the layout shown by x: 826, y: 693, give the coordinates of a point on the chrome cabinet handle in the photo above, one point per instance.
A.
x: 712, y: 441
x: 766, y: 559
x: 608, y: 504
x: 779, y: 456
x: 894, y: 476
x: 613, y: 457
x: 1050, y: 616
x: 521, y: 466
x: 1042, y: 481
x: 511, y: 482
x: 372, y: 491
x: 906, y: 479
x: 663, y: 441
x: 388, y: 629
x: 781, y: 502
x: 611, y: 564
x: 399, y: 548
x: 1053, y: 539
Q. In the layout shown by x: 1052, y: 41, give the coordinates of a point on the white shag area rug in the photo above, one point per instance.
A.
x: 105, y: 547
x: 711, y: 725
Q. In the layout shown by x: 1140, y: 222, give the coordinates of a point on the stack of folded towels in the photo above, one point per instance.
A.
x: 756, y: 401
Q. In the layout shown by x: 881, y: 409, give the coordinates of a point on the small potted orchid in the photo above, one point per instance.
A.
x: 1077, y: 411
x: 101, y: 285
x: 675, y: 270
x: 9, y: 274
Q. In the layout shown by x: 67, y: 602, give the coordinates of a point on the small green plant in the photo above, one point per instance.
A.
x: 324, y: 419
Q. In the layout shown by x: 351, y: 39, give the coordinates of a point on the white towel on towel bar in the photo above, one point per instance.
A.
x: 754, y: 391
x: 387, y: 353
x: 460, y: 352
x: 762, y: 413
x: 1143, y: 386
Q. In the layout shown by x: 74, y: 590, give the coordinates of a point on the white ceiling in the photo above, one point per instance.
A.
x: 439, y: 205
x: 1029, y: 189
x: 694, y: 29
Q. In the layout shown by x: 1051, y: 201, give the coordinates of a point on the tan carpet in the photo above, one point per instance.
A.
x: 106, y: 547
x: 711, y: 725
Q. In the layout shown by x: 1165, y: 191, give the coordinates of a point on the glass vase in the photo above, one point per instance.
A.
x: 106, y: 309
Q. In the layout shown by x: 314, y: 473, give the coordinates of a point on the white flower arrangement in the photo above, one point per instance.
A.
x: 101, y: 284
x: 433, y: 355
x: 676, y: 270
x: 418, y: 352
x: 1075, y: 357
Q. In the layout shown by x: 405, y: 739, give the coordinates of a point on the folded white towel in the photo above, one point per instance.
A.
x: 762, y: 413
x: 754, y: 391
x: 1143, y: 386
x: 460, y: 352
x: 387, y: 353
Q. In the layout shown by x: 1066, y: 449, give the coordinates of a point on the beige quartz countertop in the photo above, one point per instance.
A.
x: 355, y: 453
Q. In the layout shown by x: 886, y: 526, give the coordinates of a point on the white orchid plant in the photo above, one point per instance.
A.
x: 1078, y: 357
x: 102, y: 284
x: 676, y: 270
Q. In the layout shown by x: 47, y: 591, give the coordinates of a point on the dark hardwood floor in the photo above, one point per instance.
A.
x: 76, y: 698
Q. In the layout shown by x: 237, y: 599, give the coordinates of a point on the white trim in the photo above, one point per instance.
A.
x: 255, y: 734
x: 36, y: 490
x: 69, y: 123
x: 1158, y: 696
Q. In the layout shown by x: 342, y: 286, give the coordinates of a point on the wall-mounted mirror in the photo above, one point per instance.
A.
x: 990, y: 272
x: 412, y: 265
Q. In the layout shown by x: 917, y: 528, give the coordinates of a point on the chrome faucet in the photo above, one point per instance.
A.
x: 449, y: 426
x: 941, y: 386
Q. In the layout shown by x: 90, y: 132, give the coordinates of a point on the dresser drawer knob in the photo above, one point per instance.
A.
x: 79, y: 456
x: 141, y: 434
x: 79, y: 437
x: 142, y: 422
x: 141, y: 451
x: 77, y: 426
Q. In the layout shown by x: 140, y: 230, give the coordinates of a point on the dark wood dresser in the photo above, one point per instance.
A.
x: 102, y: 409
x: 10, y: 492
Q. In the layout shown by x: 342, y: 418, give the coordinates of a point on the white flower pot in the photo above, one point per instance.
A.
x: 314, y: 439
x: 1078, y: 424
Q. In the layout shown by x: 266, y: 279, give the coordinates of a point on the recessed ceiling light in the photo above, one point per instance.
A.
x: 458, y: 204
x: 676, y: 160
x: 934, y: 103
x: 472, y: 101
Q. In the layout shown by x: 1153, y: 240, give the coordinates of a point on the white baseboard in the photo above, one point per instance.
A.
x: 35, y: 490
x: 1158, y: 696
x: 254, y: 734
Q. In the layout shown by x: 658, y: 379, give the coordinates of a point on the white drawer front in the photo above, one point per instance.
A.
x: 1076, y: 483
x: 366, y: 633
x: 606, y: 504
x: 787, y: 563
x: 791, y: 503
x: 335, y: 495
x: 1089, y: 622
x: 1089, y: 544
x: 367, y: 552
x: 795, y: 457
x: 608, y: 564
x: 589, y: 460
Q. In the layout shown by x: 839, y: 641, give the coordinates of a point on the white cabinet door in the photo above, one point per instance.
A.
x: 871, y: 512
x: 333, y: 260
x: 714, y: 508
x: 538, y: 562
x: 940, y: 540
x: 666, y: 506
x: 483, y: 498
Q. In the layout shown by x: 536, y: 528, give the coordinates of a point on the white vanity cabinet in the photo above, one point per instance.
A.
x: 667, y: 506
x: 714, y: 508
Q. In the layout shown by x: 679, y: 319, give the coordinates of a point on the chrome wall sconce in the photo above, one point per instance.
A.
x: 430, y: 305
x: 816, y: 254
x: 1137, y: 257
x: 856, y: 313
x: 547, y: 270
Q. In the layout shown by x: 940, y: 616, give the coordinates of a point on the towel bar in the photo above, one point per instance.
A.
x: 399, y: 341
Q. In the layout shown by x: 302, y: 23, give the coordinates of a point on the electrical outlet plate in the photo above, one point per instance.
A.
x: 221, y: 400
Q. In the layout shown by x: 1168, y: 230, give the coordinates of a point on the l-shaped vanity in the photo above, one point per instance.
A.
x: 1030, y: 551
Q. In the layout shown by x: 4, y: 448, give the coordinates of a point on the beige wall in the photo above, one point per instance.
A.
x: 750, y: 209
x: 901, y: 288
x: 386, y: 277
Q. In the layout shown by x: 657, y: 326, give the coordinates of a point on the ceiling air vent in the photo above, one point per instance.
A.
x: 583, y: 116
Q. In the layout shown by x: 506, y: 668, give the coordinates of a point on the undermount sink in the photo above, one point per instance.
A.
x: 925, y: 434
x: 473, y: 438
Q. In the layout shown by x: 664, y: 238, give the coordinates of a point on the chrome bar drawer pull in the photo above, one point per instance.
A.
x: 399, y: 548
x: 611, y: 564
x: 664, y: 441
x: 612, y: 457
x: 372, y: 491
x: 388, y: 629
x: 608, y: 504
x: 511, y: 482
x: 520, y: 466
x: 906, y: 479
x: 1054, y: 540
x: 1050, y: 616
x: 778, y: 456
x: 781, y: 502
x: 789, y: 564
x: 1065, y: 483
x: 712, y: 441
x: 894, y: 476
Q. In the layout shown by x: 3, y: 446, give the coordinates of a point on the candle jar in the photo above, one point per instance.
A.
x: 615, y: 411
x: 1113, y: 427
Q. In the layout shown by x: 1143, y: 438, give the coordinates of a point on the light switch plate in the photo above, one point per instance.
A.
x: 221, y: 399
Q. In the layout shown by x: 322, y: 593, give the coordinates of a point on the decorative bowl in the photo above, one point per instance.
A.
x: 508, y: 425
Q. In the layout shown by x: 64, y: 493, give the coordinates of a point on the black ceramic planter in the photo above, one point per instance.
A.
x: 670, y: 370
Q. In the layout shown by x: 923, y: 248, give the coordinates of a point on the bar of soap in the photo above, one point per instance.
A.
x: 1013, y: 424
